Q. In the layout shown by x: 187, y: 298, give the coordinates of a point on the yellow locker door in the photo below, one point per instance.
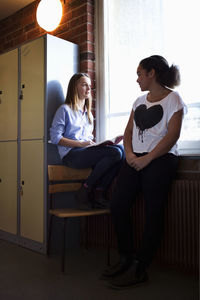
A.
x: 8, y: 95
x: 32, y: 87
x: 8, y: 187
x: 32, y: 198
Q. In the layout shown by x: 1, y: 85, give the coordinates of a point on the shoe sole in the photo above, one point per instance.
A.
x: 113, y: 273
x: 108, y: 278
x: 133, y: 285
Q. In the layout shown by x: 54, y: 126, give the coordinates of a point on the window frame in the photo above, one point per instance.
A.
x: 100, y: 66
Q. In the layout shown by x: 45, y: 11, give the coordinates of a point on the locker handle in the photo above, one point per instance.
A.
x: 0, y: 180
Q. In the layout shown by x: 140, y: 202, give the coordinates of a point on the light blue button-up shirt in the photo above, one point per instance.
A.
x: 70, y: 124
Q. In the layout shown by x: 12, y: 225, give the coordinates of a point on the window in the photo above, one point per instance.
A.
x: 128, y: 31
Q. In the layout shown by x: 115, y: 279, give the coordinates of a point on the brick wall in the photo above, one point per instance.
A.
x: 77, y: 26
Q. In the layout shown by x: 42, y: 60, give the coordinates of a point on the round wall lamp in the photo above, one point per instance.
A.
x: 49, y: 14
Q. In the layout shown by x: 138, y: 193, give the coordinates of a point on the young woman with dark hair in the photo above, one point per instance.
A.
x: 150, y: 142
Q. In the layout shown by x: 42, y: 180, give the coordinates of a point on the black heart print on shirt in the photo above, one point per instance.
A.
x: 147, y: 118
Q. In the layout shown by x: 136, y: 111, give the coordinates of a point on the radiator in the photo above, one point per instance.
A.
x: 180, y: 244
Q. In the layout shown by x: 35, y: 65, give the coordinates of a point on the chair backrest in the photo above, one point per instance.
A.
x: 64, y: 179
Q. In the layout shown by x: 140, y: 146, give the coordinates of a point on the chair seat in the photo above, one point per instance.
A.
x: 72, y: 212
x: 65, y: 179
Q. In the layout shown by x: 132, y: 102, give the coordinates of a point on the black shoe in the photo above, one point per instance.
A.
x: 129, y: 278
x: 115, y: 270
x: 100, y: 200
x: 83, y: 196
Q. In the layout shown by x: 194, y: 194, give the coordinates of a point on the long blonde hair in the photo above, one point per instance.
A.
x: 72, y: 95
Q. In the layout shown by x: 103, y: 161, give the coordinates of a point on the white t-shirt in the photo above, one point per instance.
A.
x: 151, y: 121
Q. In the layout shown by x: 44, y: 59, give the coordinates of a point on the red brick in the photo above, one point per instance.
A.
x: 87, y: 47
x: 30, y: 27
x: 8, y: 45
x: 34, y: 34
x: 28, y: 20
x: 60, y: 29
x: 20, y: 40
x: 81, y: 38
x: 87, y: 65
x: 78, y: 21
x: 18, y: 33
x: 79, y: 11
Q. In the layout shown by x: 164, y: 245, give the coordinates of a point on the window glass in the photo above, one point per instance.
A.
x: 129, y: 39
x: 128, y: 43
x: 181, y: 23
x: 137, y: 29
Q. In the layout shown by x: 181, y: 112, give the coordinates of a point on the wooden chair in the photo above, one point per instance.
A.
x: 65, y: 179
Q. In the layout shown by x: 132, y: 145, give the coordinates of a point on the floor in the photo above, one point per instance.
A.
x: 25, y: 274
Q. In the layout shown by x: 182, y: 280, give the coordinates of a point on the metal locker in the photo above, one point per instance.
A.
x: 8, y: 95
x: 8, y: 187
x: 33, y: 83
x: 32, y: 89
x: 32, y: 190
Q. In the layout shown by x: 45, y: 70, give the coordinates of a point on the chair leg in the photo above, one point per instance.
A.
x: 64, y: 246
x: 86, y: 233
x: 49, y: 235
x: 108, y: 241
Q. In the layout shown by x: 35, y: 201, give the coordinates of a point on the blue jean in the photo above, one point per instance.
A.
x: 105, y: 162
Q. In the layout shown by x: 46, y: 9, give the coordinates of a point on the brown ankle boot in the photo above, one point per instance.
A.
x: 100, y: 200
x: 83, y: 196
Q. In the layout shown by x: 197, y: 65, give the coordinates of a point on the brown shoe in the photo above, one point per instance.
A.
x: 115, y: 270
x: 83, y: 197
x: 129, y: 278
x: 100, y: 200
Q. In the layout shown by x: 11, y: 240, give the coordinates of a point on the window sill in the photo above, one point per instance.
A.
x: 189, y: 167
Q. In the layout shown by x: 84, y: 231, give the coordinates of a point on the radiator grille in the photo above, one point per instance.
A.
x: 181, y: 242
x: 180, y: 245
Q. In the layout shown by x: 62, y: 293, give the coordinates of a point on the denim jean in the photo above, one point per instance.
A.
x: 154, y: 182
x: 105, y: 162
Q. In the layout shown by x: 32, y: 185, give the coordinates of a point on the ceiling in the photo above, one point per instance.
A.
x: 9, y: 7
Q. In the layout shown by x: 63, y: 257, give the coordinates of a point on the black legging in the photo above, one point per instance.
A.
x: 154, y: 182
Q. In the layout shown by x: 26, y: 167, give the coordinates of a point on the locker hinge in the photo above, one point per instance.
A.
x: 1, y: 92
